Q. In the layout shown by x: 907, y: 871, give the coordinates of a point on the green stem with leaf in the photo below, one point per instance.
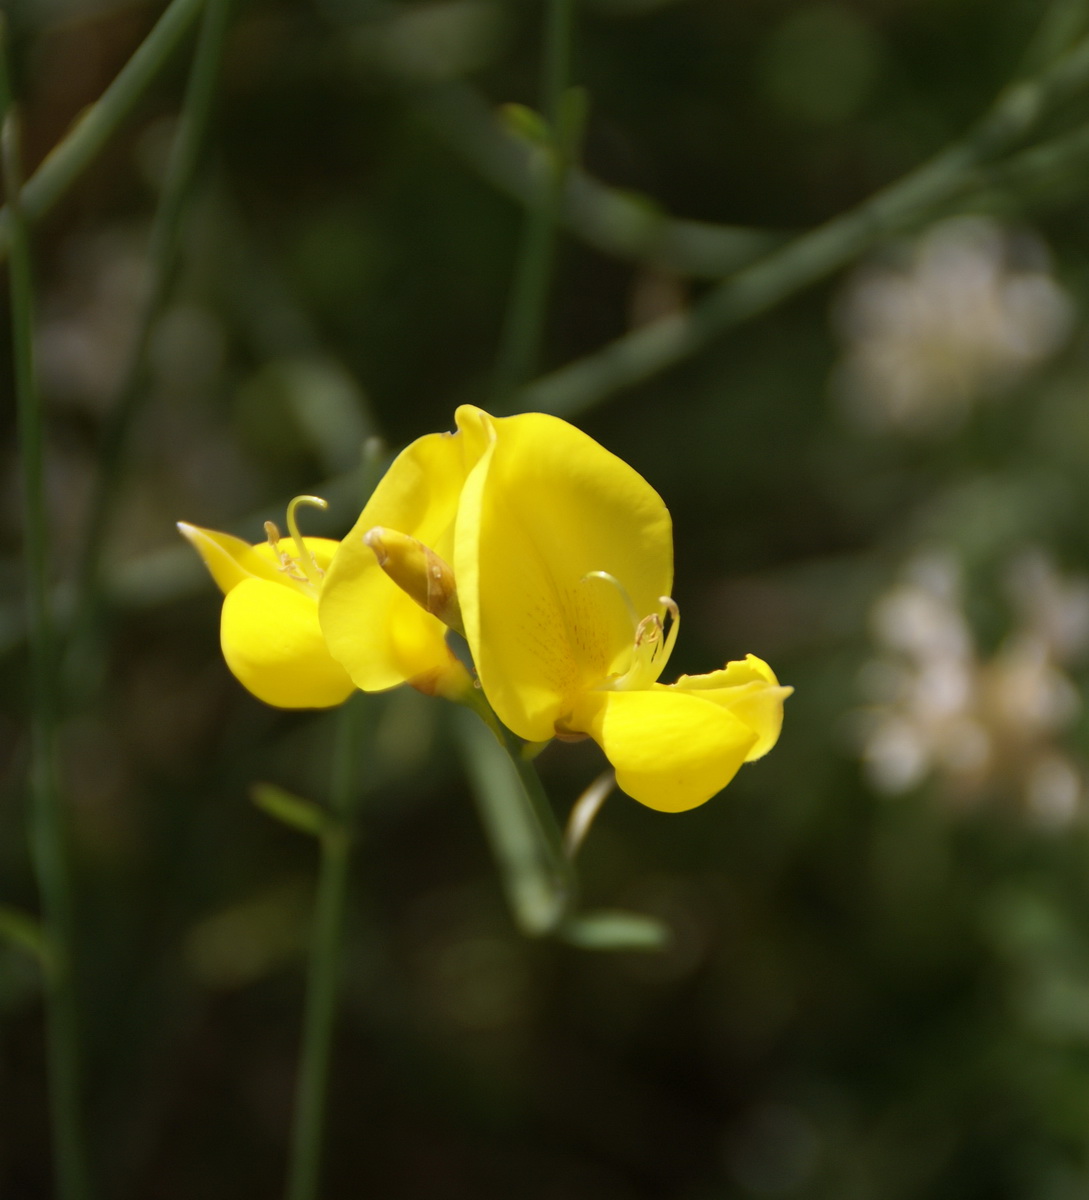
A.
x: 335, y: 833
x: 47, y: 825
x: 323, y: 977
x: 538, y: 874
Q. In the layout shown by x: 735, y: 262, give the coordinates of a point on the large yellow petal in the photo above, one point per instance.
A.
x: 544, y: 507
x: 672, y: 750
x: 273, y: 645
x: 749, y: 690
x: 380, y: 635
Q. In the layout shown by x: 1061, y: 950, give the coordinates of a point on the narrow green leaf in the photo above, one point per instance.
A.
x: 613, y: 929
x: 291, y: 810
x: 526, y: 124
x: 536, y: 877
x: 24, y: 932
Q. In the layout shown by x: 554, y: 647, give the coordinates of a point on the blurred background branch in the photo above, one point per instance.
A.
x: 920, y: 197
x: 625, y: 224
x: 47, y: 817
x: 78, y: 150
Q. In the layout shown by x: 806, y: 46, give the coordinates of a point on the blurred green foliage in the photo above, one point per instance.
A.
x: 866, y: 995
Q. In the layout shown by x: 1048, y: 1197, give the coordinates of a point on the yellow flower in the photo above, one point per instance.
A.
x: 269, y: 626
x: 564, y: 564
x: 563, y: 561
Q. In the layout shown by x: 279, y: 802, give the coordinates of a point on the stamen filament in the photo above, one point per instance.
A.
x: 652, y: 646
x: 674, y: 611
x: 586, y: 808
x: 305, y: 560
x: 604, y: 575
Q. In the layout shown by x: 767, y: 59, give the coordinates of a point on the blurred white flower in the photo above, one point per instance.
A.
x: 966, y: 313
x: 980, y: 725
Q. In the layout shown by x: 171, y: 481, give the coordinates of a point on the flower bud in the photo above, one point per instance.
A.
x: 418, y: 571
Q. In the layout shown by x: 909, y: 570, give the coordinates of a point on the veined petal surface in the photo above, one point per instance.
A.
x: 274, y: 646
x: 543, y: 507
x: 672, y: 750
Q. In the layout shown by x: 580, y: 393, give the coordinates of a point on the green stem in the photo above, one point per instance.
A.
x: 75, y: 153
x: 524, y: 326
x: 47, y: 823
x: 919, y: 196
x: 162, y: 257
x: 323, y: 978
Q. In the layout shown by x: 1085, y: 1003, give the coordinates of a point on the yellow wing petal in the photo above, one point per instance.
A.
x: 228, y: 559
x: 544, y: 507
x: 751, y: 692
x: 273, y: 645
x: 672, y: 751
x: 380, y: 635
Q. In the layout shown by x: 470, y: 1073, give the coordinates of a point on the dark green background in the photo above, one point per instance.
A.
x: 868, y: 998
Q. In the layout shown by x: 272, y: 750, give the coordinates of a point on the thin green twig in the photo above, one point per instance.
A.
x: 163, y: 253
x: 524, y: 326
x: 1049, y: 172
x: 1063, y: 22
x: 94, y: 128
x: 323, y: 976
x: 308, y: 1133
x: 617, y: 222
x: 47, y: 822
x: 919, y: 197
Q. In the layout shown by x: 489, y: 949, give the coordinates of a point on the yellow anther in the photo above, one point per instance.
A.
x: 649, y: 630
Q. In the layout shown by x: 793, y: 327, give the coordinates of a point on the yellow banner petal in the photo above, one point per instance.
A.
x: 544, y: 507
x: 273, y: 645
